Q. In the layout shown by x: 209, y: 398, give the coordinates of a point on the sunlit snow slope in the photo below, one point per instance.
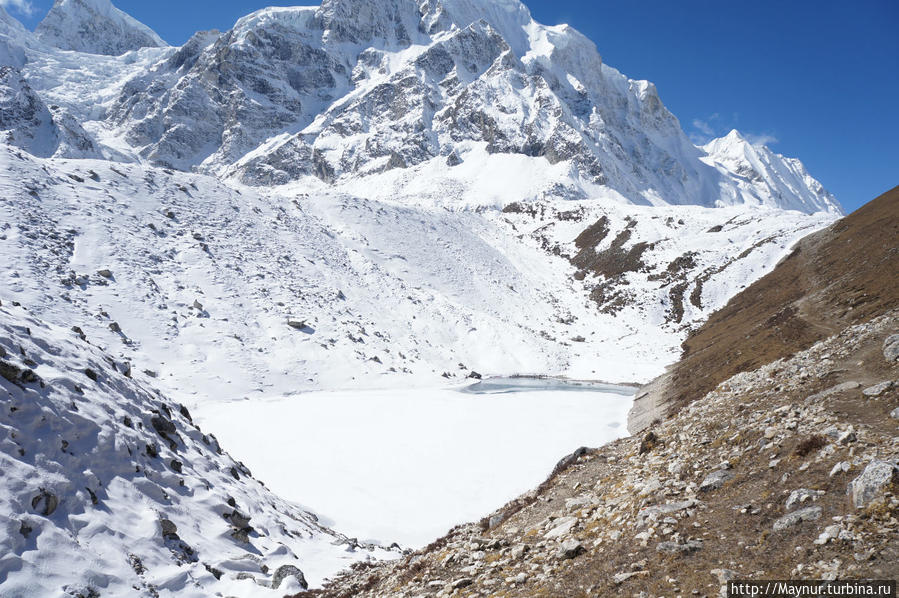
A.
x: 198, y: 282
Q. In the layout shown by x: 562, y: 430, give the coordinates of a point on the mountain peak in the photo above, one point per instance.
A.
x: 94, y: 27
x: 770, y: 178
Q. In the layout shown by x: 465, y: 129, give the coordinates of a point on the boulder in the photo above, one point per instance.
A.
x: 285, y: 571
x: 715, y: 480
x: 891, y: 348
x: 877, y: 477
x: 797, y: 517
x: 677, y: 548
x: 570, y: 549
x: 561, y: 527
x: 45, y: 503
x: 797, y: 497
x: 169, y: 529
x: 877, y: 389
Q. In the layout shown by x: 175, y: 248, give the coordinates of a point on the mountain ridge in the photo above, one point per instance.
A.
x: 301, y: 95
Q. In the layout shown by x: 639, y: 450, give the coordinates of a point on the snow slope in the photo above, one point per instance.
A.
x: 110, y: 488
x: 203, y: 278
x: 363, y: 194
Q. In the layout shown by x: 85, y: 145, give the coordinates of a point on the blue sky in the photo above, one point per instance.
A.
x: 817, y: 80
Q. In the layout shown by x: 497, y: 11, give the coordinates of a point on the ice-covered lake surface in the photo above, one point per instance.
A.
x: 405, y: 465
x: 502, y: 384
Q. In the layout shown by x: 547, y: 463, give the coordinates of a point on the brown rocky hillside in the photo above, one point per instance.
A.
x: 840, y: 276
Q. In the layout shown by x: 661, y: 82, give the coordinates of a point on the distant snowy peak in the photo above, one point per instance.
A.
x: 771, y: 179
x: 94, y: 27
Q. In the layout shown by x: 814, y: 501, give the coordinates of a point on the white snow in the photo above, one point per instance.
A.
x: 408, y: 464
x: 84, y: 441
x: 395, y: 294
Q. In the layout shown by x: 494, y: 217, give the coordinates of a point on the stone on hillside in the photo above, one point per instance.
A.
x: 872, y: 482
x: 163, y: 426
x: 723, y: 575
x: 620, y: 578
x: 239, y: 520
x: 561, y: 528
x: 579, y: 502
x: 570, y: 549
x: 285, y: 571
x: 878, y: 389
x: 715, y: 480
x: 45, y: 503
x: 891, y: 348
x: 677, y: 548
x: 169, y: 529
x: 801, y: 495
x: 895, y: 413
x: 831, y: 532
x: 797, y: 517
x: 654, y: 512
x: 841, y: 467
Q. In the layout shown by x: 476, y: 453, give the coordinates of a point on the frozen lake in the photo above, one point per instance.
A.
x: 405, y: 465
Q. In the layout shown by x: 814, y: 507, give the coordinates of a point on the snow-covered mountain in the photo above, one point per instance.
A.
x: 95, y: 27
x: 762, y: 176
x: 373, y: 94
x: 110, y: 489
